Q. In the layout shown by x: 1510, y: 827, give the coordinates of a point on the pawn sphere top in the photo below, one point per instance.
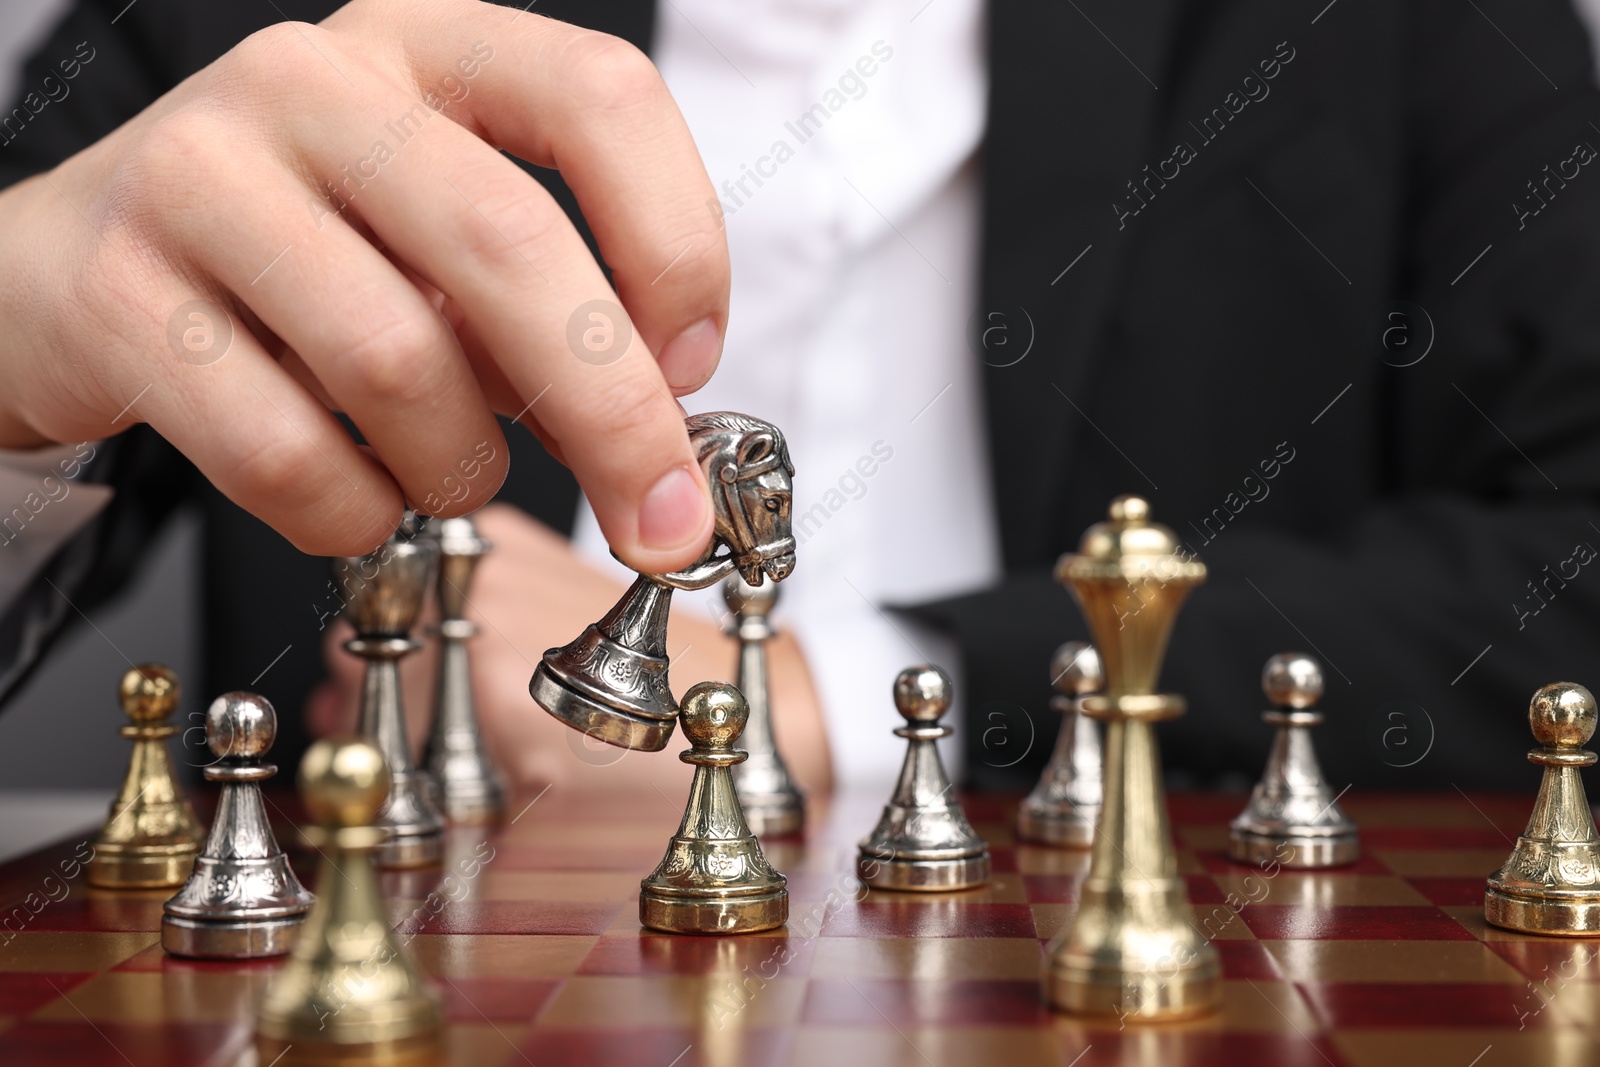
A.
x: 149, y: 693
x: 1134, y: 510
x: 743, y: 598
x: 241, y: 726
x: 1075, y: 669
x: 1562, y: 715
x: 1292, y: 680
x: 922, y: 694
x: 344, y: 782
x: 714, y: 714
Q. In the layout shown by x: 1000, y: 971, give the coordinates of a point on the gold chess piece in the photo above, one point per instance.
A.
x: 348, y: 989
x: 714, y: 878
x: 1551, y: 882
x: 1133, y: 949
x: 152, y: 836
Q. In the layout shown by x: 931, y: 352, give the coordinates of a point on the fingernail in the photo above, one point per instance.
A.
x: 674, y: 511
x: 688, y: 359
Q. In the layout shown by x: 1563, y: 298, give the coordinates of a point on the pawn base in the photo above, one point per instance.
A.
x: 778, y: 815
x: 1071, y: 828
x: 473, y: 808
x: 1305, y: 852
x: 421, y: 1051
x: 155, y: 869
x: 675, y: 914
x: 422, y: 850
x: 1159, y: 996
x: 200, y: 939
x: 1542, y: 915
x: 600, y: 721
x: 923, y: 875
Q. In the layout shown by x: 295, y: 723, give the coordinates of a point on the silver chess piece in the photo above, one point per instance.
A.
x: 1064, y: 807
x: 611, y: 683
x: 455, y: 756
x: 923, y: 841
x: 242, y: 900
x: 773, y: 804
x: 386, y: 589
x: 1293, y: 809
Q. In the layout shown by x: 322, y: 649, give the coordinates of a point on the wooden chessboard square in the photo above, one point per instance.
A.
x: 922, y: 1046
x: 1318, y: 889
x: 716, y: 1002
x: 471, y: 999
x: 924, y: 1002
x: 1053, y: 888
x: 1470, y: 917
x: 1419, y: 838
x: 1464, y: 1047
x: 1274, y: 922
x: 1447, y: 862
x: 1453, y: 810
x: 646, y: 953
x: 591, y: 887
x: 564, y: 1045
x: 1136, y: 1044
x: 506, y: 917
x: 1390, y: 961
x: 928, y: 958
x: 144, y: 997
x: 1059, y: 862
x: 593, y: 856
x: 1217, y: 862
x: 1460, y: 891
x: 102, y: 910
x: 905, y: 915
x: 500, y: 955
x: 1557, y: 959
x: 44, y: 951
x: 155, y: 958
x: 1247, y: 960
x: 195, y: 1044
x: 1354, y: 1005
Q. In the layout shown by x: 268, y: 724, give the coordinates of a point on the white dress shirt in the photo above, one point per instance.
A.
x: 854, y: 280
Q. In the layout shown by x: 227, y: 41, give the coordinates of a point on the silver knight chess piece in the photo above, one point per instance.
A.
x: 773, y: 804
x: 1064, y: 806
x: 242, y: 900
x: 1293, y: 808
x: 386, y: 589
x: 469, y: 789
x: 611, y: 683
x: 923, y: 841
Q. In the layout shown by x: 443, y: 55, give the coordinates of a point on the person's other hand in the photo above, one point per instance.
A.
x: 533, y: 592
x: 322, y: 220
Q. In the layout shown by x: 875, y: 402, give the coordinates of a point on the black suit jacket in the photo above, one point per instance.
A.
x: 1318, y: 280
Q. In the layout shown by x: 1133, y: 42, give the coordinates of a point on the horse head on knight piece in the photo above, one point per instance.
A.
x: 746, y: 464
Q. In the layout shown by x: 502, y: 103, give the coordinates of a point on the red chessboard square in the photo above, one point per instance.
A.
x: 1202, y: 890
x: 1352, y: 922
x: 1351, y: 1005
x: 475, y: 1000
x: 921, y: 917
x: 1552, y: 960
x: 660, y: 954
x: 192, y: 1044
x: 1218, y: 862
x: 870, y: 1002
x: 512, y: 917
x: 575, y: 858
x: 1247, y: 959
x: 1428, y: 838
x: 1194, y: 1048
x: 1458, y: 891
x: 1003, y: 859
x: 98, y: 909
x: 1188, y: 809
x: 23, y: 993
x: 1053, y: 888
x: 747, y: 1047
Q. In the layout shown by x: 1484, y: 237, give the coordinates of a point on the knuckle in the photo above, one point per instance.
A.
x: 263, y: 56
x: 505, y: 225
x: 393, y: 361
x: 279, y: 470
x: 612, y: 74
x: 174, y: 154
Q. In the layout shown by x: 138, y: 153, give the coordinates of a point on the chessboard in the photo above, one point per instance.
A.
x: 531, y: 934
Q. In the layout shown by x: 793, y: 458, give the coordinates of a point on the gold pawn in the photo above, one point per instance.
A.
x: 151, y: 838
x: 348, y: 988
x: 1133, y: 949
x: 1551, y: 882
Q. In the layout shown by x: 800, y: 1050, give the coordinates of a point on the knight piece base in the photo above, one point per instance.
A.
x: 713, y: 915
x: 923, y: 875
x: 203, y: 940
x: 1154, y: 997
x: 1304, y: 852
x: 421, y: 850
x: 147, y: 868
x: 1542, y: 915
x: 1072, y: 828
x: 778, y: 815
x: 593, y: 719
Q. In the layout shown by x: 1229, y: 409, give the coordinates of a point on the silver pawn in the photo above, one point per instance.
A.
x: 386, y: 589
x: 773, y: 804
x: 923, y: 840
x: 242, y: 900
x: 1293, y: 817
x: 1064, y: 807
x: 455, y: 755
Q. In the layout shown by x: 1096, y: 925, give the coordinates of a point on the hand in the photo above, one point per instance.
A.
x: 339, y: 190
x: 533, y: 592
